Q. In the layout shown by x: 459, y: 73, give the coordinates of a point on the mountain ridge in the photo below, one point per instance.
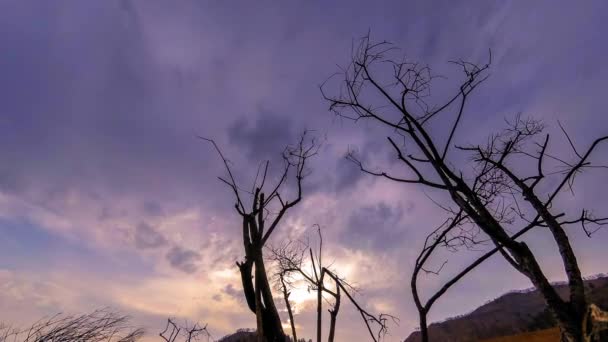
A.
x: 515, y: 312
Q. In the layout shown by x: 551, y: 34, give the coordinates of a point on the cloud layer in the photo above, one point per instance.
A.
x: 108, y: 198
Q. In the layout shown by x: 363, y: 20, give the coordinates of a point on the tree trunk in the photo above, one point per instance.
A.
x: 246, y: 269
x: 259, y: 312
x: 590, y: 327
x: 424, y: 329
x: 259, y: 298
x: 286, y: 295
x: 334, y: 315
x: 273, y: 326
x: 332, y: 325
x: 320, y: 305
x: 571, y: 331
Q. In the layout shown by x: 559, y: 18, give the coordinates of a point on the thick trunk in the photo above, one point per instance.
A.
x: 575, y: 279
x: 259, y: 298
x: 424, y: 330
x: 273, y: 331
x: 273, y: 328
x: 257, y: 290
x: 568, y: 315
x: 246, y: 269
x: 571, y: 330
x: 522, y: 257
x: 259, y: 312
x: 578, y: 301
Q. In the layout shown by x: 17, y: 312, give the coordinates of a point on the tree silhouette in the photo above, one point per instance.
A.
x: 260, y: 217
x: 490, y: 196
x: 290, y: 259
x: 191, y: 333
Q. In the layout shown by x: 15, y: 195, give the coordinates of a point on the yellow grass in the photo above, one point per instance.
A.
x: 547, y: 335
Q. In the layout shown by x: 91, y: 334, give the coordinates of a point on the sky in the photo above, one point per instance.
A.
x: 108, y: 199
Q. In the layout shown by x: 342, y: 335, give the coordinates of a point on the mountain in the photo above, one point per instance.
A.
x: 242, y: 335
x: 513, y: 313
x: 247, y: 335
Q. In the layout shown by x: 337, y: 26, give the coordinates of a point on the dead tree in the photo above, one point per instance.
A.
x: 267, y: 207
x: 286, y: 293
x: 99, y: 326
x: 495, y: 195
x: 187, y: 333
x: 290, y: 259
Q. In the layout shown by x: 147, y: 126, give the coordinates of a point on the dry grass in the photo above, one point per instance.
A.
x: 547, y: 335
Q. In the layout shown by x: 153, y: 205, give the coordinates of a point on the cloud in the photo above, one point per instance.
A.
x: 264, y: 138
x: 11, y: 183
x: 185, y: 260
x: 372, y: 153
x: 234, y: 293
x: 375, y: 227
x: 348, y: 175
x: 153, y: 208
x: 147, y: 237
x: 101, y: 103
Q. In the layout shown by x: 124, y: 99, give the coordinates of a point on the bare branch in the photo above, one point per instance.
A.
x: 491, y: 196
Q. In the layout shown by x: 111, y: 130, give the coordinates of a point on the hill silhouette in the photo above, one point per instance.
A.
x: 514, y: 313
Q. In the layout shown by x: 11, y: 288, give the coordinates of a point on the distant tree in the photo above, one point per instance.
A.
x: 176, y: 333
x: 291, y: 260
x: 491, y: 196
x: 261, y: 211
x: 98, y: 326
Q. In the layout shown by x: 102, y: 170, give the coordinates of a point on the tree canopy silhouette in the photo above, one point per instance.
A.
x: 493, y: 194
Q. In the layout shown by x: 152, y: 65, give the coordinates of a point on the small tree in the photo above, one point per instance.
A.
x: 261, y: 214
x: 290, y: 259
x: 188, y: 333
x: 492, y: 196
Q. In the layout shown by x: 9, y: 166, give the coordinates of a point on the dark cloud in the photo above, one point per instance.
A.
x: 11, y: 182
x: 370, y: 153
x: 264, y: 138
x: 377, y: 227
x: 108, y: 97
x: 153, y: 208
x: 81, y: 106
x: 104, y: 214
x: 147, y: 237
x: 347, y: 175
x: 183, y: 259
x: 234, y: 293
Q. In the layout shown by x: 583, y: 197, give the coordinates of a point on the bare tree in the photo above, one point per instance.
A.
x: 188, y: 333
x: 290, y: 259
x: 286, y: 293
x: 267, y: 207
x: 494, y: 194
x: 99, y: 326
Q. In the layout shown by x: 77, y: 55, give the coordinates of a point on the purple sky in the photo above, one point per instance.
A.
x: 108, y: 199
